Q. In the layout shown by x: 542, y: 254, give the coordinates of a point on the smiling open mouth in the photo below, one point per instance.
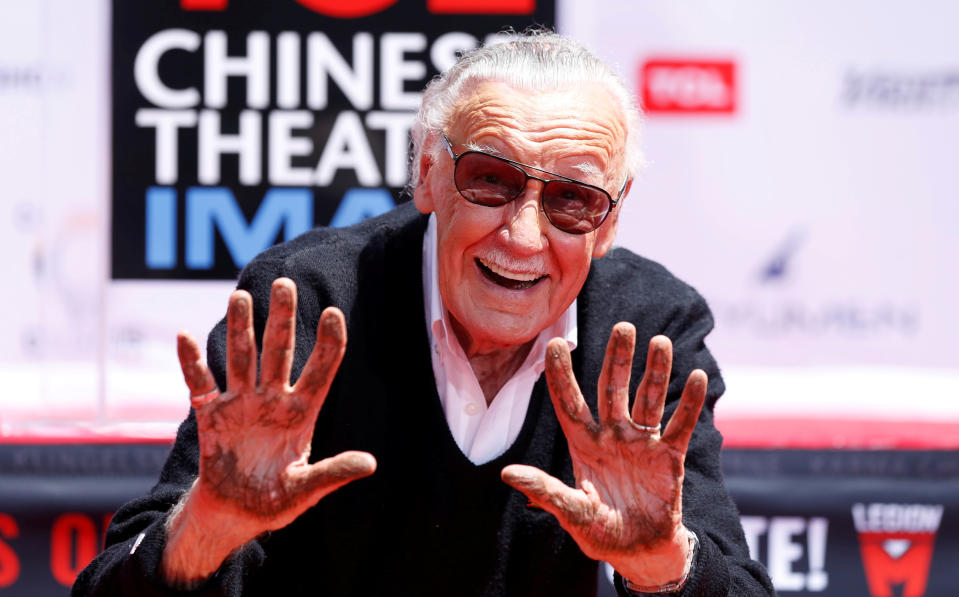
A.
x: 512, y: 283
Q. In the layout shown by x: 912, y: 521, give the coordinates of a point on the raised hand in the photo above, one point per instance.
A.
x: 626, y: 508
x: 254, y: 474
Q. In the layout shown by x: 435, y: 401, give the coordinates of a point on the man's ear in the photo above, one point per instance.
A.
x: 606, y: 233
x: 422, y: 196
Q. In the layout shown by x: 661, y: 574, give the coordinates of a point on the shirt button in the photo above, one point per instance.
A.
x: 472, y: 408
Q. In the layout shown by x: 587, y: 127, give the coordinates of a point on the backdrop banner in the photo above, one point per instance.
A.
x: 238, y: 124
x: 830, y: 523
x: 150, y: 148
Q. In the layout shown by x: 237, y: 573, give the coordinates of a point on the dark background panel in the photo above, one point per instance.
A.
x: 134, y: 147
x: 790, y: 500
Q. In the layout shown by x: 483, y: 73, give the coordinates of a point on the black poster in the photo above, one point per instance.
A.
x: 241, y: 123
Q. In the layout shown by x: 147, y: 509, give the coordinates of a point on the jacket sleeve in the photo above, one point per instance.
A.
x: 136, y: 537
x: 623, y: 286
x: 708, y: 510
x: 722, y: 565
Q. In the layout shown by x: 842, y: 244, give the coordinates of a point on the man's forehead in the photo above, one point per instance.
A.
x: 496, y: 117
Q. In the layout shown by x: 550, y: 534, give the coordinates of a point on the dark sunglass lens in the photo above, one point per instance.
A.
x: 486, y: 180
x: 573, y: 207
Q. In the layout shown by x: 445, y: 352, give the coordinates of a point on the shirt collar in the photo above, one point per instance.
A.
x: 437, y: 317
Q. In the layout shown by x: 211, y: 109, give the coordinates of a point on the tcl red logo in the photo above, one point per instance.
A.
x: 351, y: 9
x: 896, y: 542
x: 688, y: 86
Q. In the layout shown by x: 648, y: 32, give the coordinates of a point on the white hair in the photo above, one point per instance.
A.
x: 535, y: 60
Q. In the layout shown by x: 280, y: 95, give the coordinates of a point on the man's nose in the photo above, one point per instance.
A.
x: 526, y: 222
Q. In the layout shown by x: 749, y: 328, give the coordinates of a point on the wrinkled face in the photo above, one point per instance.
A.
x: 505, y: 273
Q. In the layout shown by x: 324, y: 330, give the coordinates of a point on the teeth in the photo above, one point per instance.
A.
x: 518, y: 276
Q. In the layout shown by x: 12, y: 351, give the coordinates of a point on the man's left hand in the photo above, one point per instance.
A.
x: 626, y: 508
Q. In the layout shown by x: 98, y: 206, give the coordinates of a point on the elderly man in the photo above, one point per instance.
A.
x: 523, y: 153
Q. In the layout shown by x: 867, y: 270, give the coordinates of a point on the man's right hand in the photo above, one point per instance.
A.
x: 254, y: 474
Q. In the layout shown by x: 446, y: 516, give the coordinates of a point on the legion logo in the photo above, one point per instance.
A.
x: 896, y: 542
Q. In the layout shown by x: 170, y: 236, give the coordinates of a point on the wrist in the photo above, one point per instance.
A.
x: 198, y: 540
x: 648, y: 582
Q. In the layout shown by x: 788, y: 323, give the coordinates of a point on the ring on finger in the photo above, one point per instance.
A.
x: 647, y: 429
x: 204, y: 398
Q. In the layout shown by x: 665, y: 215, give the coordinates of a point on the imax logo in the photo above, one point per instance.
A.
x: 214, y: 210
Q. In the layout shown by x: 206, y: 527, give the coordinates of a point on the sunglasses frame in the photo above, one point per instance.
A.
x: 522, y: 168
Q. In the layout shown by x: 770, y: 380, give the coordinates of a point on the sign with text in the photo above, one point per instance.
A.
x: 240, y: 124
x: 674, y: 85
x: 824, y: 523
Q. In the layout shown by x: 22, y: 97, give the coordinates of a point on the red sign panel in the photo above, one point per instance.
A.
x: 204, y: 4
x: 360, y: 8
x: 497, y: 7
x: 688, y: 86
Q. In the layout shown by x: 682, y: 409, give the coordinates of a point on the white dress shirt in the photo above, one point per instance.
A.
x: 482, y: 432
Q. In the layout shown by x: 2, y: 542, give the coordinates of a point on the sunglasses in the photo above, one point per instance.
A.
x: 570, y: 205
